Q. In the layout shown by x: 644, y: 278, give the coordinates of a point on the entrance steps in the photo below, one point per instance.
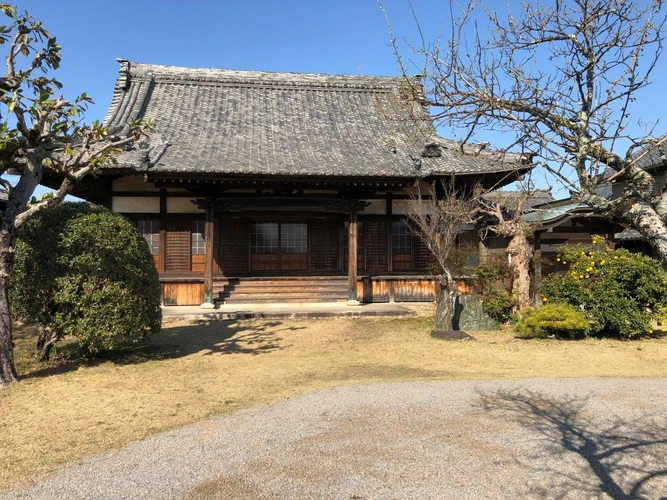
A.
x: 280, y: 290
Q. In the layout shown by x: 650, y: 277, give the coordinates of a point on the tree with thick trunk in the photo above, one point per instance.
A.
x: 41, y: 132
x: 560, y: 77
x: 506, y: 221
x: 437, y: 221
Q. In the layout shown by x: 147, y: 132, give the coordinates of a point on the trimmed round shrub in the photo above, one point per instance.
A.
x: 620, y: 292
x: 558, y: 320
x: 84, y: 271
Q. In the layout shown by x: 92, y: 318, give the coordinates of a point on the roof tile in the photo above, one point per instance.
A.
x: 250, y: 122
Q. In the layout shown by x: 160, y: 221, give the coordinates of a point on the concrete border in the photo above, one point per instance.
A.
x: 231, y: 312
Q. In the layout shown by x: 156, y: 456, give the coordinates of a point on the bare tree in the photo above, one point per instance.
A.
x: 561, y: 77
x: 40, y: 133
x: 437, y: 221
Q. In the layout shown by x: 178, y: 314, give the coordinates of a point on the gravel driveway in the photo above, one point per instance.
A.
x: 537, y: 438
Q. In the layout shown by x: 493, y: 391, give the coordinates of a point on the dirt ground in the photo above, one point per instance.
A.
x: 67, y: 410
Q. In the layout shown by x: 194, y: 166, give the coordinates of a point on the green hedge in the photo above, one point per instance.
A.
x: 84, y: 271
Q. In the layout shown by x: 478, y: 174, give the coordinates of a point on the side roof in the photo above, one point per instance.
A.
x: 652, y: 156
x: 212, y: 121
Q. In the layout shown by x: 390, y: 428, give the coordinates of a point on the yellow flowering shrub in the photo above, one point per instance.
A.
x: 620, y: 292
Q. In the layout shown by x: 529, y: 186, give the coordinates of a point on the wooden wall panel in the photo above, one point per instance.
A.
x: 264, y: 262
x: 177, y: 251
x: 198, y: 262
x: 324, y: 245
x: 380, y: 291
x: 234, y: 245
x: 414, y: 290
x: 294, y: 262
x: 182, y: 294
x: 399, y: 290
x: 376, y: 245
x: 402, y: 262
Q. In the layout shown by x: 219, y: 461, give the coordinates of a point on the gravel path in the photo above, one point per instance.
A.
x: 539, y: 438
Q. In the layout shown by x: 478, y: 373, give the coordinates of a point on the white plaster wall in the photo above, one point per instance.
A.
x: 182, y: 206
x: 399, y: 207
x: 136, y: 204
x: 402, y: 207
x: 376, y: 207
x: 132, y: 183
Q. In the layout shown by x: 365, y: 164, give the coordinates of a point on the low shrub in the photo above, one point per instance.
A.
x: 84, y: 271
x: 559, y: 320
x: 491, y: 275
x: 498, y: 305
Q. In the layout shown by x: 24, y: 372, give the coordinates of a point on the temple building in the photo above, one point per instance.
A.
x: 256, y: 186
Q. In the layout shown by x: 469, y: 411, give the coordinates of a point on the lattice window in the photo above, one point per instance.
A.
x: 150, y: 230
x: 324, y: 245
x: 264, y: 237
x: 197, y: 240
x: 401, y: 238
x: 401, y: 247
x: 294, y: 237
x: 376, y: 245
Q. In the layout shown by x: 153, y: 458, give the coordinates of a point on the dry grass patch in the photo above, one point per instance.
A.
x: 63, y: 412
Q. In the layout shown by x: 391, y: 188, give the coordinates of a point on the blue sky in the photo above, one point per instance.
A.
x: 321, y: 36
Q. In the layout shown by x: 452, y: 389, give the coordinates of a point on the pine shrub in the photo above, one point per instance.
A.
x: 558, y: 320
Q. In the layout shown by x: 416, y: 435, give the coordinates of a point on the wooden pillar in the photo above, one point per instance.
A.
x: 209, y: 231
x: 611, y: 237
x: 352, y: 259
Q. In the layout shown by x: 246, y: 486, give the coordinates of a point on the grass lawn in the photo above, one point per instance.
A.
x: 68, y: 410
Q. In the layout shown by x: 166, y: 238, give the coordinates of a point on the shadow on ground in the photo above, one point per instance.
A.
x: 623, y: 459
x: 247, y: 337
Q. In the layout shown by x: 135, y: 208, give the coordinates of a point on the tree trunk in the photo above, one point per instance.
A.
x: 640, y: 215
x: 7, y: 368
x: 643, y: 218
x: 519, y: 249
x: 444, y: 307
x: 45, y: 343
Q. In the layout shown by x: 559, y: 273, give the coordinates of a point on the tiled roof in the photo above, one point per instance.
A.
x: 550, y: 214
x: 652, y: 156
x: 629, y: 235
x: 248, y: 122
x: 510, y: 199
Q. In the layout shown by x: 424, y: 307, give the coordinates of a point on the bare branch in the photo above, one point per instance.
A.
x: 562, y: 80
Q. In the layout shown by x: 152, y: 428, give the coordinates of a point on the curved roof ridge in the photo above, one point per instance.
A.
x: 251, y: 77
